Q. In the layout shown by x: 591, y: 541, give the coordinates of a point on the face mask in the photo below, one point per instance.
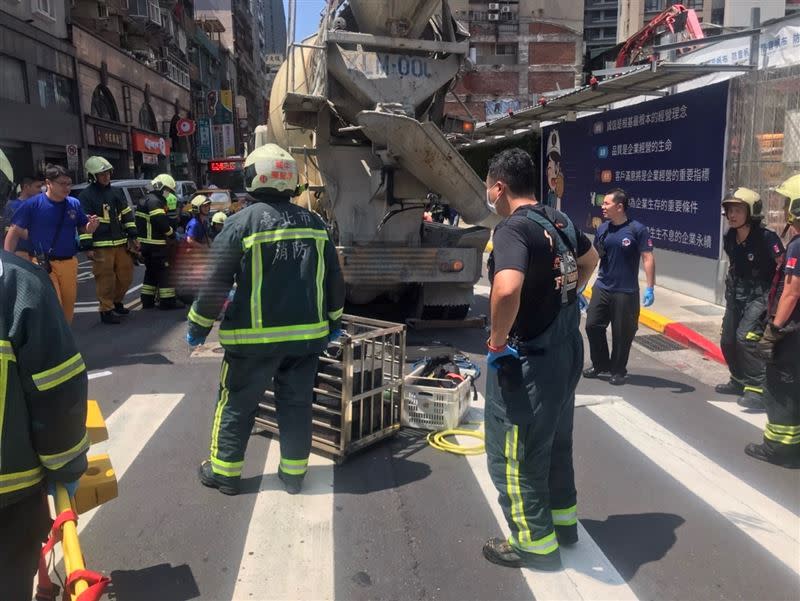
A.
x: 489, y: 205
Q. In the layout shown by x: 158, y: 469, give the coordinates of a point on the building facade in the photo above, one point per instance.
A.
x: 134, y: 84
x: 39, y: 109
x: 519, y: 51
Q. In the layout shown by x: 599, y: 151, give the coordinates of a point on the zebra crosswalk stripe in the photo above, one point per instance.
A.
x: 766, y: 522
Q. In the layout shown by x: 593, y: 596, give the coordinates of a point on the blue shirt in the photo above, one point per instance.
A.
x: 11, y: 208
x: 41, y: 216
x: 620, y: 247
x: 197, y: 230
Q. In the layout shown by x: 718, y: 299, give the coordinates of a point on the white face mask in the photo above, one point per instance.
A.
x: 489, y: 205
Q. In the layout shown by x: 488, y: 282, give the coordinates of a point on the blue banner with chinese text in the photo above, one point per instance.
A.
x: 667, y: 154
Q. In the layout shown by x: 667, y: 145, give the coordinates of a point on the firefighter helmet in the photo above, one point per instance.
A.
x: 270, y: 168
x: 199, y: 201
x: 162, y: 182
x: 96, y: 165
x: 219, y: 217
x: 790, y: 188
x: 748, y: 197
x: 6, y: 176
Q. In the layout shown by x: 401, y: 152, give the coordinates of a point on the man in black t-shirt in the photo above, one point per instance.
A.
x: 538, y: 264
x: 755, y: 253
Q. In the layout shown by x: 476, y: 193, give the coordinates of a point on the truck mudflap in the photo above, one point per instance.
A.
x: 393, y: 265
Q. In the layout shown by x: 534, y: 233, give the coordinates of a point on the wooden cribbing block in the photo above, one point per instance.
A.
x: 95, y: 424
x: 97, y: 485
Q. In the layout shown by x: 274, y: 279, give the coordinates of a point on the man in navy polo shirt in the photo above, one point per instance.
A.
x: 49, y: 222
x: 620, y: 242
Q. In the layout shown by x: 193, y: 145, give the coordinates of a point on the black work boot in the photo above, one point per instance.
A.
x: 166, y: 304
x: 567, y: 535
x: 292, y: 484
x: 109, y: 317
x: 121, y: 309
x: 730, y: 387
x: 148, y: 302
x: 617, y: 379
x: 763, y: 453
x: 593, y: 372
x: 751, y: 400
x: 500, y: 552
x: 228, y: 485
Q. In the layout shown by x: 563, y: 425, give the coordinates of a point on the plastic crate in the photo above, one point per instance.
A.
x: 433, y: 407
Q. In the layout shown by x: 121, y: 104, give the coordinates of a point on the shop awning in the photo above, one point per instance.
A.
x: 638, y: 81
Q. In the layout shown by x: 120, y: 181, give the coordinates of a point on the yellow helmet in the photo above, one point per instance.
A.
x: 96, y: 165
x: 790, y: 188
x: 748, y: 197
x: 6, y: 176
x: 270, y: 168
x: 219, y: 217
x: 164, y: 181
x: 200, y: 200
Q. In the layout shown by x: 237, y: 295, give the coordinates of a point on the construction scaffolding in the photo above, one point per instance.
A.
x: 764, y: 135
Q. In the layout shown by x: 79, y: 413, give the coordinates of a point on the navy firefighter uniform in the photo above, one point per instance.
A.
x: 530, y: 400
x: 289, y: 300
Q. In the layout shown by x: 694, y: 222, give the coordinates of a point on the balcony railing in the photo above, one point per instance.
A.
x: 175, y: 72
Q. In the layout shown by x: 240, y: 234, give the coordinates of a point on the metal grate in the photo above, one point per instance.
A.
x: 658, y: 343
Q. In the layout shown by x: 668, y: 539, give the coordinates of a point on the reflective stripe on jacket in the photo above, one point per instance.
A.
x: 290, y: 289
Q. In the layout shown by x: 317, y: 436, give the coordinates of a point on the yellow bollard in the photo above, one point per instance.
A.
x: 73, y: 558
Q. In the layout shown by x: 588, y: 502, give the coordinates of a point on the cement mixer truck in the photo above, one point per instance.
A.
x: 360, y: 106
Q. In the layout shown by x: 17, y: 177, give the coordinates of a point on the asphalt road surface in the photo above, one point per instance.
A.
x: 669, y: 505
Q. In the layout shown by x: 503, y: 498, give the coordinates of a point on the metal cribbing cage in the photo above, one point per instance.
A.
x: 358, y: 388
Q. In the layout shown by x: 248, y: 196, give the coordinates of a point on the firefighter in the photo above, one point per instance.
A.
x: 535, y: 358
x: 754, y: 253
x: 111, y: 245
x: 43, y: 391
x: 197, y: 229
x: 155, y: 236
x: 780, y: 346
x: 287, y: 305
x: 217, y: 222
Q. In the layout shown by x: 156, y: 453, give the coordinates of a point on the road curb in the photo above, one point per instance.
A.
x: 676, y: 331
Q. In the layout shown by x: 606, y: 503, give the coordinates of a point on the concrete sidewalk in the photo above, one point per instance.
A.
x: 687, y: 320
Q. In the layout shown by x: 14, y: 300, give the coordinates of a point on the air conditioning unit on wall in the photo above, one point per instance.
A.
x: 505, y: 9
x: 494, y: 6
x: 493, y: 16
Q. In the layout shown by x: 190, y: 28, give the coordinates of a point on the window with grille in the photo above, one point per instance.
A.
x: 55, y: 91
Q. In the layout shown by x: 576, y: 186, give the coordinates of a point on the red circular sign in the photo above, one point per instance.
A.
x: 185, y: 127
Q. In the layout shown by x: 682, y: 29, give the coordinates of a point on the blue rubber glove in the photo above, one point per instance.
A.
x: 195, y: 340
x: 70, y: 486
x: 506, y: 351
x: 649, y: 297
x: 335, y: 335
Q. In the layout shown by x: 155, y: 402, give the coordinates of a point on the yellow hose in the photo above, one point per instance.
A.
x: 438, y: 440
